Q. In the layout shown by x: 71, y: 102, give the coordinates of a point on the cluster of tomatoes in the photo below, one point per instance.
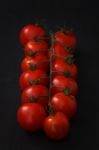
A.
x: 48, y: 81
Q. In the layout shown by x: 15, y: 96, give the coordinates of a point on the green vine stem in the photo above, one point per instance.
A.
x: 51, y: 61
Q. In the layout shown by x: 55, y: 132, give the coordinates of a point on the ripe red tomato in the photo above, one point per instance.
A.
x: 65, y: 104
x: 31, y: 116
x: 31, y: 32
x: 56, y: 126
x: 67, y: 38
x: 36, y: 93
x: 35, y: 46
x: 40, y: 61
x: 65, y: 67
x: 68, y: 85
x: 59, y: 50
x: 29, y: 77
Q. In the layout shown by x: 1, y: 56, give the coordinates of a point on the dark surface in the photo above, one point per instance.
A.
x: 84, y: 18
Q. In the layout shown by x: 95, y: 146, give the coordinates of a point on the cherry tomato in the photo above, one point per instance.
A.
x: 29, y: 77
x: 31, y: 32
x: 59, y: 50
x: 31, y: 116
x: 68, y: 85
x: 40, y: 61
x: 68, y: 39
x: 35, y: 46
x: 36, y: 93
x: 65, y: 104
x: 65, y: 67
x: 56, y: 126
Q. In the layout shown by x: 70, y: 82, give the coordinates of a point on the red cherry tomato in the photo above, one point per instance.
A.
x: 31, y: 116
x: 59, y: 50
x: 36, y: 93
x: 56, y: 126
x: 65, y: 67
x: 31, y: 32
x: 65, y: 104
x: 68, y: 85
x: 68, y: 39
x: 29, y: 77
x: 35, y: 46
x: 40, y: 61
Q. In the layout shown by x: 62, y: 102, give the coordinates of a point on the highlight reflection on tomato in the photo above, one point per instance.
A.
x: 68, y: 85
x: 35, y: 77
x: 37, y: 93
x: 31, y: 32
x: 68, y: 39
x: 40, y: 61
x: 65, y: 104
x: 31, y: 116
x: 56, y: 126
x: 64, y: 67
x: 36, y: 46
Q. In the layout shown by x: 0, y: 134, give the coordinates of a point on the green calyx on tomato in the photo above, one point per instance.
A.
x: 66, y: 74
x: 69, y: 49
x: 62, y: 29
x: 37, y: 40
x: 32, y: 99
x: 32, y: 66
x: 34, y: 82
x: 41, y: 24
x: 69, y: 60
x: 66, y: 91
x: 65, y: 30
x: 31, y: 53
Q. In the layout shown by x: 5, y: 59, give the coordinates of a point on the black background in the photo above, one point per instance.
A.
x: 83, y: 16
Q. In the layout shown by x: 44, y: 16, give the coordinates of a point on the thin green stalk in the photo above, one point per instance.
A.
x: 51, y: 61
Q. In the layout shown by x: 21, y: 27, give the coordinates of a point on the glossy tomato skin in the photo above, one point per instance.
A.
x: 29, y: 78
x: 68, y: 39
x: 59, y: 50
x: 31, y: 32
x: 34, y: 46
x: 40, y: 61
x: 65, y: 104
x: 56, y: 126
x: 36, y: 93
x: 61, y: 67
x: 31, y: 116
x: 60, y: 83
